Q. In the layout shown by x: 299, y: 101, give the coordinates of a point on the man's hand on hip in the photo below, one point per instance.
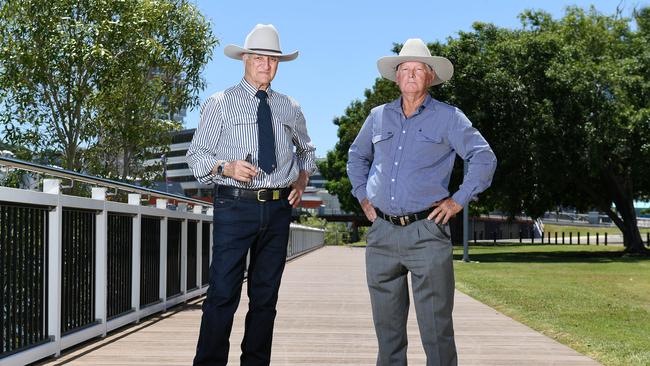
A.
x: 298, y: 187
x: 444, y: 210
x: 240, y: 170
x: 369, y: 210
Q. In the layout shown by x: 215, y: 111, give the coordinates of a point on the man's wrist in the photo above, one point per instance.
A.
x: 220, y: 168
x: 303, y: 177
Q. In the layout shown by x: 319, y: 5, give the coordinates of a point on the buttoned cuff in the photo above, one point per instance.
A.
x: 205, y: 170
x: 360, y: 193
x: 461, y: 197
x: 307, y: 165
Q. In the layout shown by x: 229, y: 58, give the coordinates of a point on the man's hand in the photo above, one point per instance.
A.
x: 444, y: 210
x: 239, y: 170
x: 369, y: 210
x: 298, y: 187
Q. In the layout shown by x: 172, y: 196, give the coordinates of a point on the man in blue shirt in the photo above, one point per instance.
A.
x: 400, y: 165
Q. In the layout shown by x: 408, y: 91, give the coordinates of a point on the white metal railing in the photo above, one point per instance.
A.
x: 302, y: 239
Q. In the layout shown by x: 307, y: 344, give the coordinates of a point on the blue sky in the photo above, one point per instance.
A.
x: 340, y: 42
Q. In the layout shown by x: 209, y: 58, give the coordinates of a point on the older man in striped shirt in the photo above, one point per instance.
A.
x: 245, y: 145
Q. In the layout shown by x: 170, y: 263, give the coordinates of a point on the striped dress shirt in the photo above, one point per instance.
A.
x: 228, y: 131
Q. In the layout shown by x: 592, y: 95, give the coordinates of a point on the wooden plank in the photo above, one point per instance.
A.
x: 324, y: 319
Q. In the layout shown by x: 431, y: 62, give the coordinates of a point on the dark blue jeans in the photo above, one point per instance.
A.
x: 240, y: 225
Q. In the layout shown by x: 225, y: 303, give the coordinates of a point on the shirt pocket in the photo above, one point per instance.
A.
x: 383, y: 136
x: 428, y: 136
x: 431, y: 145
x: 241, y: 136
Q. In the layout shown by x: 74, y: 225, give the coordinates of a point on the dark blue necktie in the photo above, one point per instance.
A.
x: 266, y: 154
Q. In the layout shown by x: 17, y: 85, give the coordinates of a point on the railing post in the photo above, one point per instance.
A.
x: 198, y: 209
x: 55, y: 219
x: 101, y: 258
x: 134, y: 199
x: 162, y: 204
x: 182, y: 207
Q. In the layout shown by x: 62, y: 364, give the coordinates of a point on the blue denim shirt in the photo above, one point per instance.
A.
x: 403, y: 165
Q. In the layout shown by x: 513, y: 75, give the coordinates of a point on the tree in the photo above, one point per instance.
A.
x: 100, y: 76
x: 150, y: 84
x: 565, y: 105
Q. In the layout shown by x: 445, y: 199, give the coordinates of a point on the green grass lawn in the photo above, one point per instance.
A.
x: 589, y: 298
x: 583, y: 230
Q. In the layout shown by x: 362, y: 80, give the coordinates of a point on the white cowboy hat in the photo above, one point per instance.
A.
x: 262, y: 40
x: 414, y: 49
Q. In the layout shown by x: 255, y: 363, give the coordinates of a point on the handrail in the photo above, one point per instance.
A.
x: 75, y: 176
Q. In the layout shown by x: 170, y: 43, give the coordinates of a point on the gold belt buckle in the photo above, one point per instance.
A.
x: 401, y: 221
x: 258, y: 195
x: 276, y: 194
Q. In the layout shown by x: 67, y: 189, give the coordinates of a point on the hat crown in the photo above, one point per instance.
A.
x: 415, y: 47
x: 263, y: 37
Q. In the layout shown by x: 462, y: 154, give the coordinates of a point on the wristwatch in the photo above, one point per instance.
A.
x: 220, y: 168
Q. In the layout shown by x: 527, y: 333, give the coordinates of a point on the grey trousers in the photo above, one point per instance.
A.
x: 424, y: 249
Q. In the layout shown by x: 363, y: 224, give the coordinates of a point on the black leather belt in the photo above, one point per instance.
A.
x: 260, y: 195
x: 406, y: 219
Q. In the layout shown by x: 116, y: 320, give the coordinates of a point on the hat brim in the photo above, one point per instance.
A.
x: 442, y: 67
x: 236, y: 52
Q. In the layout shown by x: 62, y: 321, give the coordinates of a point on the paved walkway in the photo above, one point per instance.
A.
x: 324, y: 319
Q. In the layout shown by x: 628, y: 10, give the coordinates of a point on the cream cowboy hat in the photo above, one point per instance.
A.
x: 262, y: 40
x: 414, y: 49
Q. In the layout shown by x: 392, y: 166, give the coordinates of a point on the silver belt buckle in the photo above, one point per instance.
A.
x: 258, y: 195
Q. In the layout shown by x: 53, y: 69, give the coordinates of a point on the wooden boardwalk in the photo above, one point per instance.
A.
x: 324, y: 319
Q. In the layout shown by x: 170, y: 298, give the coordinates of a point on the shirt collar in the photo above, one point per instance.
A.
x: 429, y: 103
x: 250, y: 90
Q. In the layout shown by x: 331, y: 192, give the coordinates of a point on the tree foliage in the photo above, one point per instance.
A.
x: 99, y: 80
x: 564, y: 103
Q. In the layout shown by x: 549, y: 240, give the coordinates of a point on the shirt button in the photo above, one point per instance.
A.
x: 399, y: 148
x: 403, y: 131
x: 395, y: 163
x: 392, y: 180
x: 392, y: 198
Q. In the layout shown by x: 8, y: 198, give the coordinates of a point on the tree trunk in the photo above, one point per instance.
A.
x: 70, y: 158
x: 628, y: 226
x: 625, y: 219
x: 618, y: 189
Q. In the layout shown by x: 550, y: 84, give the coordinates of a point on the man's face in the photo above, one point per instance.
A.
x: 260, y: 69
x: 413, y: 77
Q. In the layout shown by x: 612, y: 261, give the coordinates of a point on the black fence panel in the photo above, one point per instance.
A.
x: 120, y: 264
x: 23, y: 276
x: 77, y: 269
x: 191, y: 255
x: 205, y: 253
x: 173, y: 257
x: 149, y: 261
